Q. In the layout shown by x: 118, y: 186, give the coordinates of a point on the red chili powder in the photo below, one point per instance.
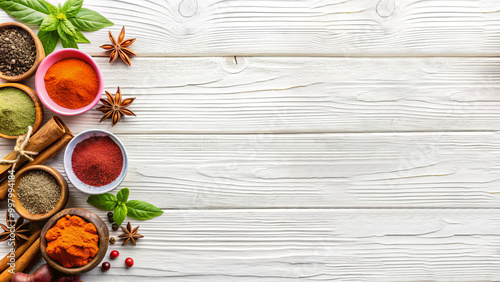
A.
x: 97, y: 161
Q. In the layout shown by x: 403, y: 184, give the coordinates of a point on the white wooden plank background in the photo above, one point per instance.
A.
x: 313, y: 170
x: 313, y: 95
x: 307, y: 140
x: 304, y: 27
x: 318, y: 245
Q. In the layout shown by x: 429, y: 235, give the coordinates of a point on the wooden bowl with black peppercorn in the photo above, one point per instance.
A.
x: 36, y: 102
x: 46, y: 176
x: 89, y: 217
x: 19, y: 71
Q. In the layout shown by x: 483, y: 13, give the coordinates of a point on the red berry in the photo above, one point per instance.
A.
x: 106, y: 266
x: 114, y: 254
x: 129, y: 262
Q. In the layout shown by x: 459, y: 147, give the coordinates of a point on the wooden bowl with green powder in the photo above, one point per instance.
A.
x: 19, y: 108
x: 39, y: 192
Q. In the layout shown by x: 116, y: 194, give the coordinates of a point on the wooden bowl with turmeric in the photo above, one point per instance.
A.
x: 29, y: 54
x: 20, y: 106
x: 81, y: 232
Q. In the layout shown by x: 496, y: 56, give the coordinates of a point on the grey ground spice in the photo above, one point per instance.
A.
x: 17, y: 51
x: 38, y: 191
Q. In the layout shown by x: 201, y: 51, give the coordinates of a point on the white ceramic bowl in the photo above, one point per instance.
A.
x: 68, y: 153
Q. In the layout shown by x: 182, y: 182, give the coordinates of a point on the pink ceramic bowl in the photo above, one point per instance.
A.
x: 40, y: 82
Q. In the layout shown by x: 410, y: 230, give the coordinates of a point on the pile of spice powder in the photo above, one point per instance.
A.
x: 71, y: 83
x: 97, y: 161
x: 38, y: 191
x: 17, y: 51
x: 72, y: 241
x: 17, y: 111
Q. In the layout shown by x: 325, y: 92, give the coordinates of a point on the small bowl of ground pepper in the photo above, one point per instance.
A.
x: 39, y: 192
x: 69, y: 82
x: 74, y: 241
x: 19, y: 108
x: 95, y: 161
x: 20, y: 51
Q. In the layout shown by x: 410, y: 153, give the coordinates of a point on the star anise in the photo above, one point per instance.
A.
x: 130, y: 234
x: 21, y: 229
x: 119, y: 48
x: 115, y: 108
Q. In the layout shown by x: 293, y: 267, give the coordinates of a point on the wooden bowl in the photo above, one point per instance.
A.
x: 36, y: 101
x: 24, y: 213
x: 40, y: 53
x: 102, y: 232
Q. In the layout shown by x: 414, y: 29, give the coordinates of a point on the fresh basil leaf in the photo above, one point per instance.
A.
x: 68, y: 27
x: 120, y: 214
x: 80, y: 38
x: 122, y: 195
x: 142, y: 210
x: 88, y: 20
x: 50, y: 23
x: 104, y: 201
x: 72, y: 7
x: 49, y: 40
x: 66, y: 40
x: 28, y: 11
x: 52, y: 9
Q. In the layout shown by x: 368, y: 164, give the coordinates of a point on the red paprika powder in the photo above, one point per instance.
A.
x: 71, y: 83
x: 97, y: 161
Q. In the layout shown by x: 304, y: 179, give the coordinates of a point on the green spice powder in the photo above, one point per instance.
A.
x: 17, y: 111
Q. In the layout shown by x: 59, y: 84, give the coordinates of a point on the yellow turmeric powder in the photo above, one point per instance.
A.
x: 72, y: 241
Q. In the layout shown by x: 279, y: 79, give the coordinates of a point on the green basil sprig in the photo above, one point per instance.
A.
x: 123, y: 207
x: 65, y: 22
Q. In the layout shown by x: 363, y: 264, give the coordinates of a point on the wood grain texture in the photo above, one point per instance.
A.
x: 283, y: 168
x: 311, y: 170
x: 297, y: 27
x: 312, y: 245
x: 286, y: 95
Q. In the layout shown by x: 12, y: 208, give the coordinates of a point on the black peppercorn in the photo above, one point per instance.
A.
x: 110, y: 214
x: 110, y: 219
x: 114, y: 226
x: 18, y: 51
